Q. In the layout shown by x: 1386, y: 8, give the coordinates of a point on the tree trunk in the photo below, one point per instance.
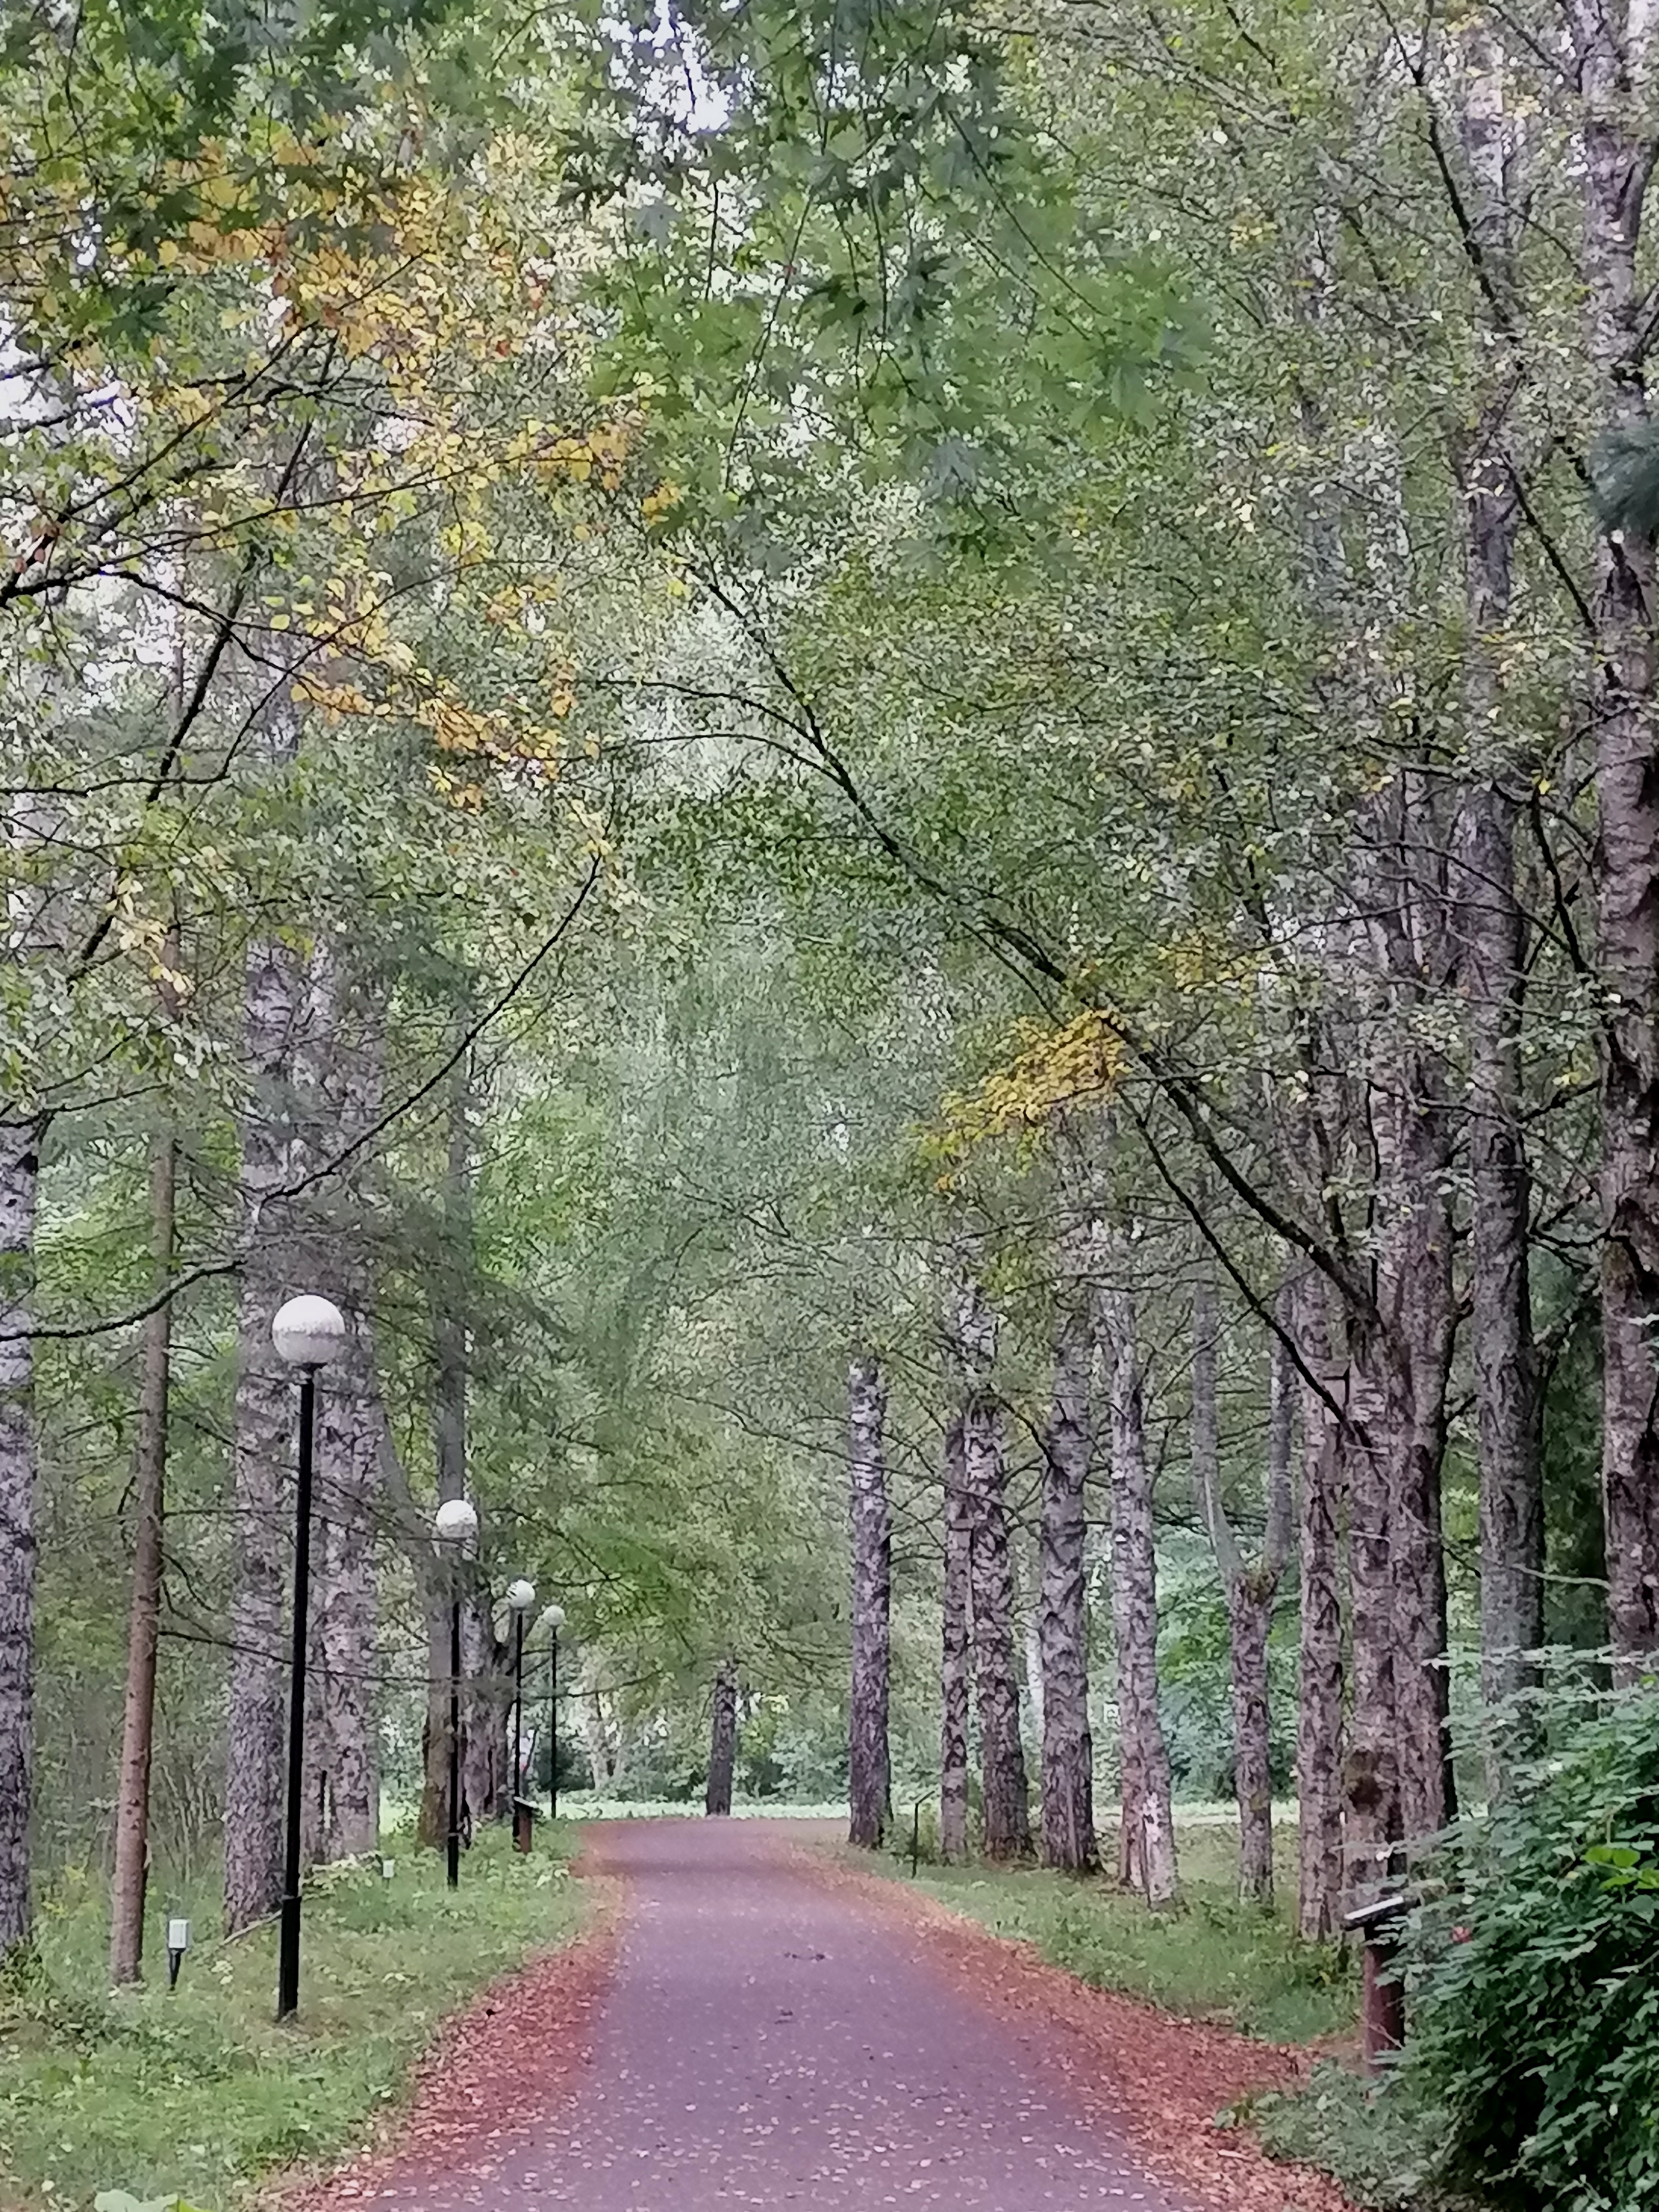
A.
x: 346, y: 1053
x: 1008, y: 1817
x: 869, y: 1785
x: 722, y: 1740
x: 1147, y: 1857
x: 1615, y: 60
x: 486, y: 1702
x: 20, y: 1171
x: 1320, y: 1866
x: 447, y: 1305
x: 1068, y: 1758
x: 347, y: 1461
x: 264, y: 1424
x: 1490, y: 926
x: 1249, y: 1586
x: 955, y: 1665
x: 130, y: 1878
x: 598, y: 1733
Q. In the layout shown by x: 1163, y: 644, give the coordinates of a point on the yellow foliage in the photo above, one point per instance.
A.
x: 1078, y: 1064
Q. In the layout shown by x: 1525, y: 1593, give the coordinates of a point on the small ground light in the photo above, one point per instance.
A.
x: 388, y: 1868
x: 178, y: 1944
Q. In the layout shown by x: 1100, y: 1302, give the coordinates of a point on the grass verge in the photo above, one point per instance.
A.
x: 1214, y: 1960
x: 198, y: 2093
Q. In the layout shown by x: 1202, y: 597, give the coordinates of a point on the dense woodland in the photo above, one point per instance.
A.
x: 876, y: 767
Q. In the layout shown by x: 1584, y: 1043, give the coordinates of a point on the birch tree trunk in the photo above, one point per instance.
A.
x: 264, y: 1419
x: 1068, y: 1758
x: 1147, y: 1857
x: 955, y: 1661
x: 130, y: 1876
x: 20, y: 1170
x: 722, y: 1740
x: 1008, y: 1818
x: 869, y: 1776
x: 1614, y: 48
x: 1320, y: 1881
x: 1250, y: 1586
x: 1490, y: 926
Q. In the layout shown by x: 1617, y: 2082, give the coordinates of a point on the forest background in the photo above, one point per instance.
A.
x: 752, y: 719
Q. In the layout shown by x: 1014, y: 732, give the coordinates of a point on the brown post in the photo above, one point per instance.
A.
x: 1382, y: 2001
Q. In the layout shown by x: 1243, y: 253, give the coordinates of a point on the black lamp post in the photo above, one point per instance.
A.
x: 455, y: 1527
x: 521, y: 1596
x: 308, y: 1333
x: 552, y: 1620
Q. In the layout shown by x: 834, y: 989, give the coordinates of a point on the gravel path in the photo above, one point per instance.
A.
x: 767, y: 2041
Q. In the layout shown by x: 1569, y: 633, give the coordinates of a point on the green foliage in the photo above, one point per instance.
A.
x: 198, y: 2091
x: 1380, y: 2146
x: 1216, y: 1961
x: 1534, y: 1988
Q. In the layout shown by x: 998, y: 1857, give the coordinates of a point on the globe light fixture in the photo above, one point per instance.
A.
x: 455, y: 1522
x: 308, y: 1332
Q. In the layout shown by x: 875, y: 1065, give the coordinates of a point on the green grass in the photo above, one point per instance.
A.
x: 1213, y: 1959
x: 199, y: 2093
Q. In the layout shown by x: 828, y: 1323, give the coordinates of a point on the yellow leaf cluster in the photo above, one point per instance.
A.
x: 1080, y: 1063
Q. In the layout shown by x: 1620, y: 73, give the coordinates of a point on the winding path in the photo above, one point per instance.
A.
x: 768, y: 2039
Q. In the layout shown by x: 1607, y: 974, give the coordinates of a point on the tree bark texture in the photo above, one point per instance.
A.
x: 1490, y: 926
x: 722, y: 1740
x: 1146, y: 1857
x: 955, y: 1662
x: 344, y: 1052
x: 1068, y: 1758
x: 446, y: 1303
x: 1615, y: 54
x: 1250, y: 1586
x: 1005, y: 1793
x: 265, y: 1425
x: 1320, y: 1881
x: 20, y: 1171
x: 130, y: 1877
x: 869, y: 1785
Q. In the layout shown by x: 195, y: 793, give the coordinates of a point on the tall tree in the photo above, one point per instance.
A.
x: 1068, y: 1761
x: 722, y: 1739
x: 1321, y: 1876
x: 956, y: 1667
x: 264, y: 1444
x: 1007, y: 1816
x: 869, y: 1784
x: 20, y: 1174
x: 1250, y: 1585
x: 1612, y: 50
x: 130, y: 1876
x: 1146, y: 1849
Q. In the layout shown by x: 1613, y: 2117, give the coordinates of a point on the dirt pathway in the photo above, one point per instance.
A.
x: 771, y: 2037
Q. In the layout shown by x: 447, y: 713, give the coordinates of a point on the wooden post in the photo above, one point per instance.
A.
x: 1382, y: 2002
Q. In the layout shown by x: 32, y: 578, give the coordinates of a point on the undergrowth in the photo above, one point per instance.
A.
x: 1214, y: 1960
x: 198, y: 2092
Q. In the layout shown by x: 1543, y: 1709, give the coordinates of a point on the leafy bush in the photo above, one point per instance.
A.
x: 1533, y: 1984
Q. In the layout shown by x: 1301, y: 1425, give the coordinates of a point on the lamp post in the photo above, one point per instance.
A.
x: 455, y: 1527
x: 521, y: 1596
x: 552, y: 1620
x: 308, y: 1333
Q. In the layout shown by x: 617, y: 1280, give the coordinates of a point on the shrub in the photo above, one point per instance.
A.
x: 1533, y: 1982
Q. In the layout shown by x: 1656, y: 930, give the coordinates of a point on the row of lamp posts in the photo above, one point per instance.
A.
x: 307, y: 1333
